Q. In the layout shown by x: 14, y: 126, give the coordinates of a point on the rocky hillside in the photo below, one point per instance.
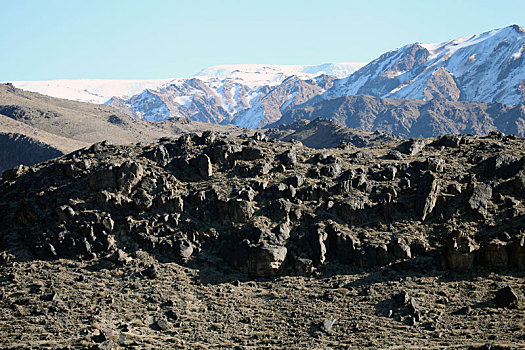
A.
x: 269, y: 207
x: 414, y: 118
x: 421, y: 235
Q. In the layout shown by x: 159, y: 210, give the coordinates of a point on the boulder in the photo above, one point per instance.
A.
x: 478, y: 201
x: 202, y: 164
x: 332, y: 169
x: 282, y: 232
x: 183, y: 249
x: 128, y: 175
x: 506, y: 297
x: 64, y: 213
x: 288, y: 159
x: 240, y: 210
x: 103, y: 179
x: 161, y: 155
x: 400, y: 249
x: 435, y: 164
x: 394, y: 155
x: 259, y: 260
x: 450, y: 140
x: 296, y: 180
x: 354, y: 210
x: 412, y: 146
x: 341, y: 244
x: 208, y: 137
x: 503, y: 166
x: 250, y: 153
x: 142, y: 199
x: 386, y: 174
x: 327, y: 325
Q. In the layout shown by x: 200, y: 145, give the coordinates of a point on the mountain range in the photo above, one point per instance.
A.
x: 488, y: 68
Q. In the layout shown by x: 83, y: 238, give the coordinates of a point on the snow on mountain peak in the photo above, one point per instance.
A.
x: 487, y: 67
x: 264, y: 74
x: 454, y: 45
x: 253, y: 75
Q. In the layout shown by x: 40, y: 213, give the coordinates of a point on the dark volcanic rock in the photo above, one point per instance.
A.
x: 203, y: 166
x: 481, y: 195
x: 506, y: 297
x: 428, y: 191
x: 268, y: 207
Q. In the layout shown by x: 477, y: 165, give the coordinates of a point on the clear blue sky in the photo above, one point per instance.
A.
x: 149, y: 39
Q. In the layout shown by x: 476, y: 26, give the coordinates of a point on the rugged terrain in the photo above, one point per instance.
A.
x: 216, y: 241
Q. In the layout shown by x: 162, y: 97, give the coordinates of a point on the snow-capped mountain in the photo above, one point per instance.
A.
x: 102, y: 90
x: 488, y: 67
x: 262, y: 74
x: 250, y: 95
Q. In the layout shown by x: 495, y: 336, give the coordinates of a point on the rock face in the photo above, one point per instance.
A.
x: 268, y: 207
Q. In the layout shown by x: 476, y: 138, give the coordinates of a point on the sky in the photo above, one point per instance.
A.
x: 155, y: 39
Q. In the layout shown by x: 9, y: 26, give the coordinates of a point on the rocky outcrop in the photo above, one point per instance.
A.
x: 268, y: 207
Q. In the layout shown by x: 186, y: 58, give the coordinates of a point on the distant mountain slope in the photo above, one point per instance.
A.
x: 489, y: 67
x: 414, y: 118
x: 22, y: 149
x: 249, y: 95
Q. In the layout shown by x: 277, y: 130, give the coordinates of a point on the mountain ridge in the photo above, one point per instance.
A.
x: 102, y: 90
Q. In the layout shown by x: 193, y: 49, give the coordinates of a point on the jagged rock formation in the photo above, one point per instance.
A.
x: 268, y: 207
